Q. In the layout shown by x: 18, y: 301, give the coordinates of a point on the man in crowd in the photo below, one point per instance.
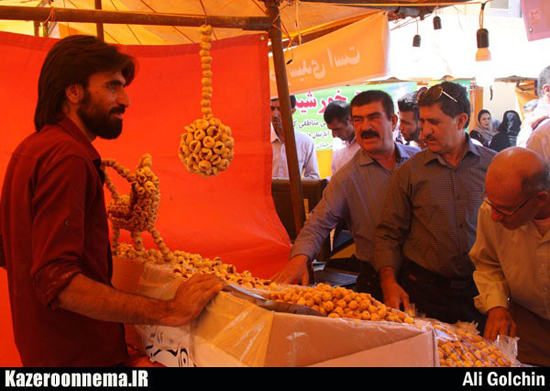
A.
x: 531, y: 120
x: 54, y: 239
x: 511, y: 252
x: 408, y: 120
x: 338, y: 119
x: 429, y: 218
x: 305, y: 147
x: 535, y: 129
x: 530, y: 106
x: 356, y: 192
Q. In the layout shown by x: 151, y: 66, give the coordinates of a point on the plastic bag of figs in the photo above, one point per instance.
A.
x: 460, y: 345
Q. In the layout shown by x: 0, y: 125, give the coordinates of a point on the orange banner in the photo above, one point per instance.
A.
x: 352, y: 54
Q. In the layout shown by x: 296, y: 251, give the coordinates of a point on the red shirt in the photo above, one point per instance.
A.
x: 54, y: 226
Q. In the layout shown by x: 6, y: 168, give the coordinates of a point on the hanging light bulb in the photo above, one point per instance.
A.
x: 415, y: 53
x: 437, y: 23
x: 483, y: 65
x: 416, y: 41
x: 437, y: 38
x: 483, y: 53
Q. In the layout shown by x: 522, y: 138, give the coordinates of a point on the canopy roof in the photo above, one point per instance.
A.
x: 306, y: 19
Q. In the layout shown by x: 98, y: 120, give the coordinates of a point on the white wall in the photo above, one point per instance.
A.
x: 504, y: 98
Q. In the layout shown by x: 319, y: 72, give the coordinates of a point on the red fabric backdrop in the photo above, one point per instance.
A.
x: 232, y: 215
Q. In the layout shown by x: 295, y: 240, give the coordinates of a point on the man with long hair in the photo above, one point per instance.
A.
x: 54, y: 239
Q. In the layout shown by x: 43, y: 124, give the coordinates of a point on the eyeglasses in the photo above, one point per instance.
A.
x: 433, y: 93
x: 504, y: 212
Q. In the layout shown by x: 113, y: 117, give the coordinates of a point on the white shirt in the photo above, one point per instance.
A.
x: 511, y: 265
x: 343, y: 155
x: 538, y: 139
x: 525, y: 132
x: 307, y: 157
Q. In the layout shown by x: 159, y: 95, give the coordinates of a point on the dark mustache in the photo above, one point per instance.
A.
x: 118, y: 110
x: 429, y: 138
x: 369, y: 133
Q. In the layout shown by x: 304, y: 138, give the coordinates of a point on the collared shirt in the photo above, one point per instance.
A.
x: 355, y: 195
x: 538, y: 139
x: 511, y: 264
x: 343, y: 155
x: 53, y: 226
x: 430, y: 213
x: 413, y: 143
x: 307, y: 157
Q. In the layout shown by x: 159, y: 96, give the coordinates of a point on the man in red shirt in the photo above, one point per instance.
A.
x: 54, y: 238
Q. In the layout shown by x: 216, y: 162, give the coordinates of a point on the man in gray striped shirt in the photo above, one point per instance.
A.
x: 428, y: 224
x: 356, y: 192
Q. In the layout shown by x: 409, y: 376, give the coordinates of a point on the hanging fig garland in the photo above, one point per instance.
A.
x: 137, y: 211
x: 206, y: 147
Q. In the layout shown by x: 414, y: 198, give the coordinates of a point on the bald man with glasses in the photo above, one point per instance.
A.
x: 512, y: 252
x: 430, y: 214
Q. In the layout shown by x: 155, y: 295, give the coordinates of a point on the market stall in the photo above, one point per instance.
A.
x: 207, y: 207
x: 257, y: 323
x: 230, y: 215
x: 249, y: 178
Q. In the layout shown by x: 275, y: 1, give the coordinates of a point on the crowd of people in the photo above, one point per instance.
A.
x: 439, y: 221
x: 511, y: 130
x: 453, y: 222
x: 503, y: 136
x: 491, y: 133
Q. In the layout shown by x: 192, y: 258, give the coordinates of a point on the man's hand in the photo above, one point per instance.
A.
x: 296, y: 269
x: 191, y: 298
x: 499, y: 322
x: 394, y: 295
x: 99, y: 301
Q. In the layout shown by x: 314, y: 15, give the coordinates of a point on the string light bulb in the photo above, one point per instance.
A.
x: 483, y: 65
x: 416, y: 41
x: 437, y: 23
x: 415, y: 52
x: 483, y: 53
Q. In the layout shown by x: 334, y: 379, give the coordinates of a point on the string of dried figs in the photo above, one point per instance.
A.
x: 137, y: 211
x: 186, y: 264
x: 207, y: 146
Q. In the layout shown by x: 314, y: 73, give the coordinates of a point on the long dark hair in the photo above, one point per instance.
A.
x: 73, y: 60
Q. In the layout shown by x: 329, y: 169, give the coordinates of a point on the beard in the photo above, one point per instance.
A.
x: 412, y: 135
x: 99, y: 122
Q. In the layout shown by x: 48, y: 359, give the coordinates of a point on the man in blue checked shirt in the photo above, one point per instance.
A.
x: 355, y: 193
x: 428, y: 224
